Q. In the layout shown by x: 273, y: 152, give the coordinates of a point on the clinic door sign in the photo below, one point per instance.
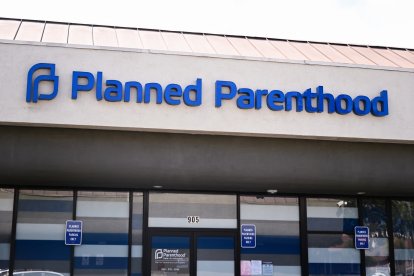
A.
x: 73, y: 232
x: 248, y: 236
x: 361, y: 237
x: 171, y: 261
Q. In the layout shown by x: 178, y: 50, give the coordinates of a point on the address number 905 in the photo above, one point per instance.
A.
x: 193, y: 219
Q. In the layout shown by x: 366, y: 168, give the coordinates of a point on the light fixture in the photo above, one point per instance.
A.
x: 271, y: 191
x: 361, y: 193
x: 157, y: 187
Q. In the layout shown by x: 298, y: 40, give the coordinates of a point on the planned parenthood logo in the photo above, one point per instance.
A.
x: 32, y: 93
x: 170, y: 254
x: 158, y: 254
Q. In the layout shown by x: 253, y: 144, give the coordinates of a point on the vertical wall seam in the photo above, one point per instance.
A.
x: 388, y: 207
x: 303, y: 229
x: 131, y: 205
x: 361, y: 222
x: 13, y: 231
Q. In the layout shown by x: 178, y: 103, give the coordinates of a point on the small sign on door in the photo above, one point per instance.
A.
x: 361, y: 237
x: 248, y: 236
x: 73, y: 232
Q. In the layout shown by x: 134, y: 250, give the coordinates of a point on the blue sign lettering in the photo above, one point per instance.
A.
x: 116, y: 91
x: 314, y: 102
x: 111, y: 90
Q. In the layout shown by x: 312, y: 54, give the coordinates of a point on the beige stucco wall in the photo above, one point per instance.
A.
x: 86, y: 112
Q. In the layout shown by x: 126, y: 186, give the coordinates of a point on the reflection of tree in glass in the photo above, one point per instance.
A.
x: 375, y: 218
x: 403, y: 222
x: 347, y: 241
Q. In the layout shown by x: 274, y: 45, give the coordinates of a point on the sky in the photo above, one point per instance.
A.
x: 367, y: 22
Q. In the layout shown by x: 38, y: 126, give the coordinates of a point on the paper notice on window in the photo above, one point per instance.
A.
x: 256, y: 267
x: 267, y: 268
x: 245, y: 268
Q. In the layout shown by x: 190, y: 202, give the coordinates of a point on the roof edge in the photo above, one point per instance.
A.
x: 204, y: 33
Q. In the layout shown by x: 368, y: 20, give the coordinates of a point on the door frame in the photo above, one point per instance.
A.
x: 193, y: 233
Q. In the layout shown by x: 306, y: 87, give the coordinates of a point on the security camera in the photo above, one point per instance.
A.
x: 341, y: 203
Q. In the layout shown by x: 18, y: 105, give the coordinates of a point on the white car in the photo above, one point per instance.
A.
x: 31, y: 273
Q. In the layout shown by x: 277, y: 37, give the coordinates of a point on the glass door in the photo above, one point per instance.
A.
x: 215, y: 254
x: 191, y: 253
x: 171, y: 254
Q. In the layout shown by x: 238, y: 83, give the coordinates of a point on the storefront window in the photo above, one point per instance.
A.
x: 136, y: 254
x: 192, y: 210
x: 277, y: 245
x: 40, y: 231
x: 6, y: 216
x: 104, y: 249
x: 374, y: 216
x: 215, y: 255
x: 331, y: 224
x: 41, y: 216
x: 403, y: 225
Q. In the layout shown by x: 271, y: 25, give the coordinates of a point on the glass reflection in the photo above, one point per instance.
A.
x: 215, y: 255
x: 6, y: 211
x: 332, y: 214
x: 104, y: 249
x: 403, y: 224
x: 136, y: 250
x: 377, y: 257
x: 40, y: 231
x: 331, y: 223
x: 276, y: 220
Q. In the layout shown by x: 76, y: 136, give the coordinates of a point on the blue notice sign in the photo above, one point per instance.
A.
x: 361, y: 237
x: 73, y: 233
x: 248, y: 236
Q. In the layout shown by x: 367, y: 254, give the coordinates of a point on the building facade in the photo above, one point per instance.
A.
x: 130, y: 151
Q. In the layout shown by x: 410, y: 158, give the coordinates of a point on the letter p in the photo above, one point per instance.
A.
x: 32, y: 92
x: 220, y: 96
